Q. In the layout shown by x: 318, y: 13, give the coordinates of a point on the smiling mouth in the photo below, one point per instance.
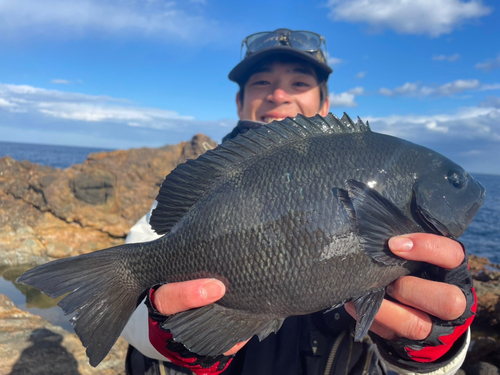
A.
x: 269, y: 119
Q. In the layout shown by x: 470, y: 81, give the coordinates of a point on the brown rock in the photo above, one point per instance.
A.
x: 484, y: 356
x: 30, y: 345
x: 48, y: 213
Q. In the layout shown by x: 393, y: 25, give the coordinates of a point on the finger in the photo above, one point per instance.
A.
x: 442, y: 300
x: 438, y: 250
x: 394, y: 320
x: 235, y: 348
x: 176, y: 297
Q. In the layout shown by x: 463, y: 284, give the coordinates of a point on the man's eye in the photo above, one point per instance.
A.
x: 301, y: 84
x: 261, y: 82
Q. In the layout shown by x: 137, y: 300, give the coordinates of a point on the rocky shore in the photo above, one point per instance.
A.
x: 48, y: 213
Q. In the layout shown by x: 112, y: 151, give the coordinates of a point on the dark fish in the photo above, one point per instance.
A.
x: 293, y: 217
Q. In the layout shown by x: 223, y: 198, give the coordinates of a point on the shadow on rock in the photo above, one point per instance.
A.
x: 46, y: 355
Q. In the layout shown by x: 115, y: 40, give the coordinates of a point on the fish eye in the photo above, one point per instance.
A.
x: 456, y: 179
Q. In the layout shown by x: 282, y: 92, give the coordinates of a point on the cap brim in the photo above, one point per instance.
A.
x: 241, y: 72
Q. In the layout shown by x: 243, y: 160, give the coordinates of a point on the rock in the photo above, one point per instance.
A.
x: 48, y: 213
x: 481, y: 348
x: 484, y: 354
x: 487, y: 284
x: 30, y: 345
x: 481, y: 368
x: 97, y: 187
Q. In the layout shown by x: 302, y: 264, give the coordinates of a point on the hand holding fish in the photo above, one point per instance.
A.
x: 420, y: 298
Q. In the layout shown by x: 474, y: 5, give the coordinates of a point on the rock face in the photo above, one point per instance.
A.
x: 30, y: 345
x: 48, y: 213
x: 484, y: 353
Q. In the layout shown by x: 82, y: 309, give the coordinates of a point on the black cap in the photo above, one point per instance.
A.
x: 241, y: 72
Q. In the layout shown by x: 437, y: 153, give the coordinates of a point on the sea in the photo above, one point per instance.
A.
x: 482, y: 238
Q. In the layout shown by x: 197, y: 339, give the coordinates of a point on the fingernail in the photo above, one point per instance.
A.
x: 212, y: 289
x: 389, y: 289
x: 401, y: 244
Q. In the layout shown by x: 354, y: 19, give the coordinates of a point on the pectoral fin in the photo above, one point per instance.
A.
x: 375, y: 219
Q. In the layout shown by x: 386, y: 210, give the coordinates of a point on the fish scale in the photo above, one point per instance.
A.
x: 293, y: 218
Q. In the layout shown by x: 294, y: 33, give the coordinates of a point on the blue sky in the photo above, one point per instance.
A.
x: 134, y: 73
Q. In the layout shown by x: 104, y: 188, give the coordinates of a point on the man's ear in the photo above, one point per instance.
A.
x: 239, y: 105
x: 325, y: 108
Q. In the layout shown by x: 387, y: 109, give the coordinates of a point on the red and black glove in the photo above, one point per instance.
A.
x: 177, y: 353
x: 445, y: 334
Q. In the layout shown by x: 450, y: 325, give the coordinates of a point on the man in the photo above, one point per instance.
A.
x: 421, y: 327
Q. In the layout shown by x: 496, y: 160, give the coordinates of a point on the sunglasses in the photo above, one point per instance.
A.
x: 306, y: 41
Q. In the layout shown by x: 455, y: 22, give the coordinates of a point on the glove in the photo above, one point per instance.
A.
x: 162, y: 340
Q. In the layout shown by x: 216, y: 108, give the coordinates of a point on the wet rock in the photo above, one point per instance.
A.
x: 30, y: 345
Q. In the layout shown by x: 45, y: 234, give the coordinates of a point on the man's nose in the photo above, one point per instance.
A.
x: 278, y: 96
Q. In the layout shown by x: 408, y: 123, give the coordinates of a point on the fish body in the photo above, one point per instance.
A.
x: 293, y: 217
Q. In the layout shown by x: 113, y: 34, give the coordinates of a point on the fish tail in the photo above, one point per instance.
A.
x: 102, y: 292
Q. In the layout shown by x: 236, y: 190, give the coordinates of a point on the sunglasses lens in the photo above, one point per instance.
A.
x: 301, y: 40
x: 305, y: 41
x: 259, y: 41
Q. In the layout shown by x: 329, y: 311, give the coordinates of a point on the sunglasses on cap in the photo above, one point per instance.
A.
x: 305, y: 41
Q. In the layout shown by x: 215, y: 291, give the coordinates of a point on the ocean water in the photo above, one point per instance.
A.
x: 55, y: 156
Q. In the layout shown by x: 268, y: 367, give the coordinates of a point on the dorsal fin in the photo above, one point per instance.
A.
x: 194, y: 179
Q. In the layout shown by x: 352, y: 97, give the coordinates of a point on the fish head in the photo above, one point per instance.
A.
x: 446, y: 198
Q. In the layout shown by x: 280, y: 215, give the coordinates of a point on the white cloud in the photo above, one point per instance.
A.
x: 357, y: 91
x: 137, y: 18
x: 489, y: 64
x: 82, y: 107
x: 466, y: 123
x: 361, y: 75
x: 333, y: 61
x: 29, y: 94
x: 60, y: 82
x: 491, y: 101
x: 447, y: 89
x: 345, y: 99
x: 449, y: 58
x: 6, y: 104
x: 433, y: 18
x: 56, y: 117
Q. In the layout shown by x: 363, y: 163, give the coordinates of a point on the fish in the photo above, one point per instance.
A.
x: 293, y: 217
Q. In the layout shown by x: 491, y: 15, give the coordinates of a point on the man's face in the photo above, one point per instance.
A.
x: 281, y: 90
